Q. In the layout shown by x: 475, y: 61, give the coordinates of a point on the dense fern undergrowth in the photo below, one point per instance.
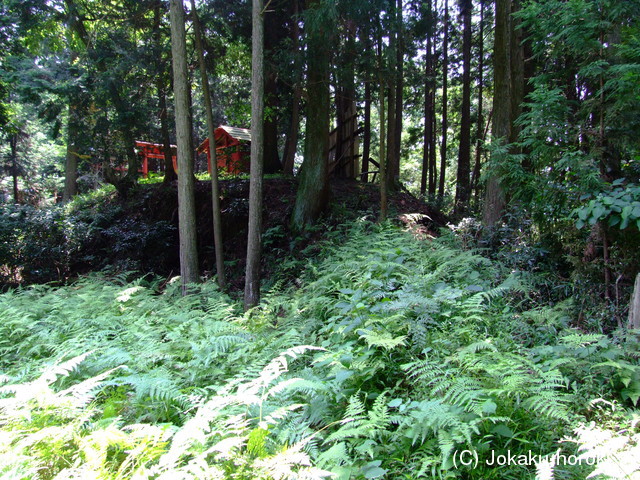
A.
x: 394, y: 358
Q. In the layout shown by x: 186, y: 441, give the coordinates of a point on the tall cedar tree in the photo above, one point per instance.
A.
x: 169, y: 172
x: 445, y: 119
x: 215, y: 191
x: 494, y: 203
x: 383, y: 147
x: 479, y: 138
x: 399, y: 97
x: 393, y: 79
x: 291, y: 144
x: 75, y: 108
x: 428, y: 168
x: 313, y: 188
x: 464, y: 150
x: 254, y: 243
x: 186, y: 201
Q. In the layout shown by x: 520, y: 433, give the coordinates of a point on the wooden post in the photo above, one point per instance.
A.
x: 634, y: 305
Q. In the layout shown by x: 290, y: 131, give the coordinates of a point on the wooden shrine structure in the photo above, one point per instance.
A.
x: 233, y: 149
x: 152, y: 156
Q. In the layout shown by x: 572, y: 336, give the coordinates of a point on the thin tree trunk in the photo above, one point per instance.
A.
x: 399, y: 91
x: 366, y: 136
x: 291, y: 144
x: 464, y: 150
x: 391, y: 157
x: 433, y: 167
x: 271, y: 158
x: 186, y: 202
x: 13, y: 144
x: 215, y: 190
x: 71, y: 159
x: 445, y: 74
x: 427, y: 170
x: 254, y: 242
x: 475, y: 176
x: 169, y: 172
x: 383, y: 156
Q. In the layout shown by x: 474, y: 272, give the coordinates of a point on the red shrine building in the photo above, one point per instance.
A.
x: 233, y: 152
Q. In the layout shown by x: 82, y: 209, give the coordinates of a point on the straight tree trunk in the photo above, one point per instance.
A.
x: 313, y: 188
x: 254, y: 241
x: 347, y: 101
x: 271, y: 160
x: 399, y: 91
x: 169, y: 172
x: 291, y: 144
x: 391, y: 158
x: 494, y: 204
x: 517, y: 74
x: 427, y: 170
x: 445, y: 79
x: 13, y: 144
x: 395, y: 174
x: 475, y: 176
x: 433, y: 167
x: 366, y: 135
x: 464, y: 151
x: 186, y: 202
x: 273, y: 27
x: 383, y: 156
x: 71, y: 159
x: 215, y: 190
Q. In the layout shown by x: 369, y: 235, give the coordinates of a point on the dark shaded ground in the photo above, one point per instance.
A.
x: 139, y: 234
x: 349, y: 200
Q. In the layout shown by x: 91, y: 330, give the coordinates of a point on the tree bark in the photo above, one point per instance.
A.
x: 475, y: 176
x: 71, y: 159
x: 291, y: 144
x: 399, y: 97
x: 313, y: 188
x: 366, y: 136
x: 273, y: 28
x: 186, y: 202
x: 383, y: 156
x: 391, y: 158
x: 215, y: 190
x: 445, y: 79
x: 464, y: 149
x: 254, y: 242
x: 270, y: 124
x: 494, y: 204
x: 517, y: 74
x: 169, y: 172
x: 427, y: 170
x: 13, y: 144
